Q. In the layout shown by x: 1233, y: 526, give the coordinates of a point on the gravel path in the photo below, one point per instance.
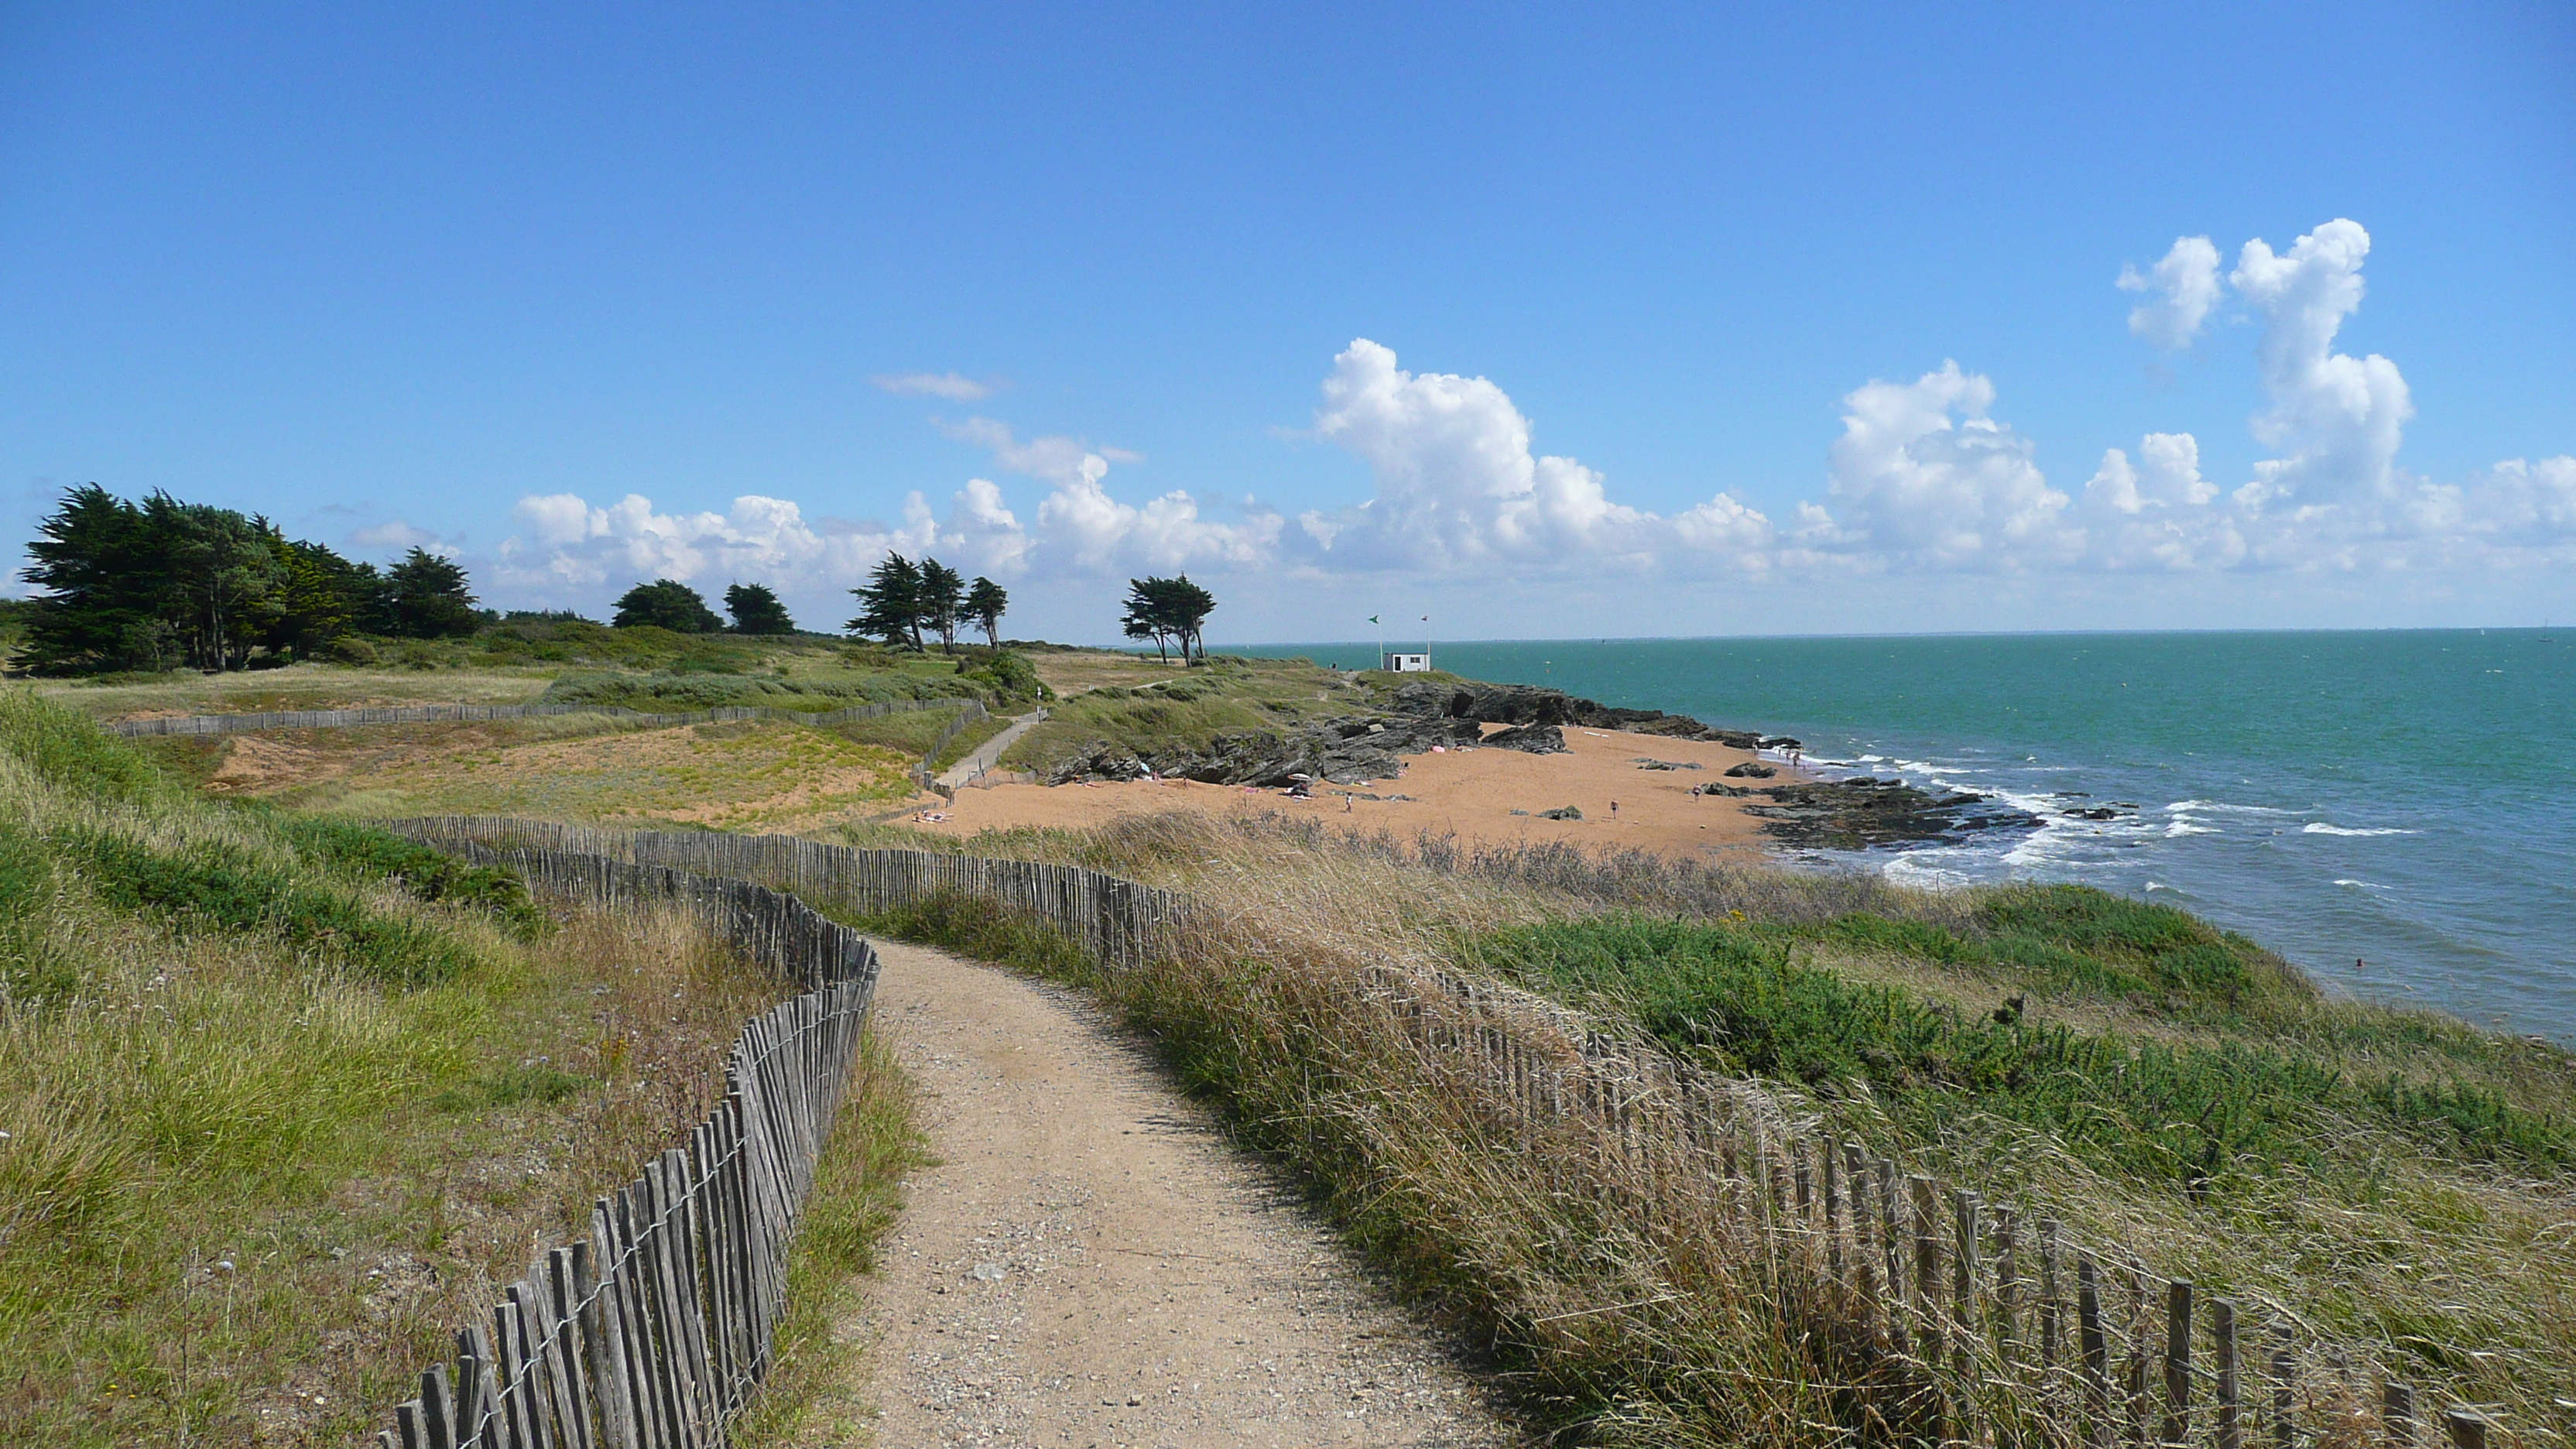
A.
x: 1092, y: 1265
x: 988, y: 754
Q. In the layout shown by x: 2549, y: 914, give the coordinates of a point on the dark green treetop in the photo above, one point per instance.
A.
x: 668, y: 604
x: 943, y: 602
x: 890, y: 603
x: 985, y: 603
x: 756, y: 610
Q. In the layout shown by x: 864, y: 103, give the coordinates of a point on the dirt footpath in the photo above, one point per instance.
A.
x: 1092, y: 1265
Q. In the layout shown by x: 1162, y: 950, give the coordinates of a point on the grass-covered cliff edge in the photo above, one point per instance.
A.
x: 2395, y: 1180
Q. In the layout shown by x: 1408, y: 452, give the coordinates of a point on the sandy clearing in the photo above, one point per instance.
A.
x: 1091, y: 1264
x: 1471, y: 793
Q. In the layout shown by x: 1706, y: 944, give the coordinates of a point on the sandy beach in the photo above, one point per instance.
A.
x: 1479, y: 795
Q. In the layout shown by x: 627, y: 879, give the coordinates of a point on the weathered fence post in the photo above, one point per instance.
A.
x: 2222, y: 1337
x: 2177, y: 1425
x: 2096, y: 1349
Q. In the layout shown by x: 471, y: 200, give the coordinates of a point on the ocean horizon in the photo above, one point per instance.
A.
x: 2387, y: 808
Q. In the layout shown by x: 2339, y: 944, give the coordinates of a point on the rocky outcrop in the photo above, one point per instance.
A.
x: 1529, y: 740
x: 1858, y: 814
x: 1350, y: 751
x: 1750, y: 771
x: 1098, y: 760
x: 1523, y: 704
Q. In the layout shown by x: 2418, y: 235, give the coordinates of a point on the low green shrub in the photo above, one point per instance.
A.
x: 531, y: 1082
x: 423, y: 873
x: 1741, y: 996
x: 209, y: 889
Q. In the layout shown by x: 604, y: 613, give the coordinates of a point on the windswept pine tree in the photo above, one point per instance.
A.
x: 985, y: 603
x: 1168, y: 609
x: 943, y: 602
x: 890, y: 603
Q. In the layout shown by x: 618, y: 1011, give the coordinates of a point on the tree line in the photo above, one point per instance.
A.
x: 907, y: 603
x: 163, y: 584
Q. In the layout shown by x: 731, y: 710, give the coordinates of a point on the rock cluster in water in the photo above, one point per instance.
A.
x: 1858, y: 814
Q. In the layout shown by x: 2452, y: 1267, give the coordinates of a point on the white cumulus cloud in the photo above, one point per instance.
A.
x: 2167, y: 475
x: 2153, y: 514
x: 1923, y: 477
x: 568, y: 546
x: 1082, y: 529
x: 2337, y: 418
x: 1458, y: 487
x: 2186, y: 286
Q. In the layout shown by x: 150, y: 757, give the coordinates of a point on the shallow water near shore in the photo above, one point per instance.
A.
x: 2393, y: 810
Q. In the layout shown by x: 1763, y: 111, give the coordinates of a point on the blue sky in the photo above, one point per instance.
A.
x: 1541, y: 321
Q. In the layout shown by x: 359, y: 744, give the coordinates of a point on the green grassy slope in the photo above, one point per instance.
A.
x: 278, y: 1093
x: 2396, y: 1174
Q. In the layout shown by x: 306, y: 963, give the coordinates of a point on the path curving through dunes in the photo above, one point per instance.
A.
x: 1092, y: 1264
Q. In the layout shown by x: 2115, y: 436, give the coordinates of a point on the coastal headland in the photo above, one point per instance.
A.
x: 1485, y: 763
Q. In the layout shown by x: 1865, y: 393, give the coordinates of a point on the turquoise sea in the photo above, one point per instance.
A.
x: 2393, y: 810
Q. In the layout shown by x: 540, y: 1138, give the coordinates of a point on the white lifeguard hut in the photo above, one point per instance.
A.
x: 1407, y: 663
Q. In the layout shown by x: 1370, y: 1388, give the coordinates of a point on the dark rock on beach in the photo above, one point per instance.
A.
x: 1529, y: 740
x: 1098, y: 760
x: 1751, y: 771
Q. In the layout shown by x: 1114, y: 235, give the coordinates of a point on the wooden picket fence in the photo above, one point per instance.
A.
x: 1117, y: 920
x: 969, y: 710
x: 657, y: 1329
x: 1950, y: 1320
x: 1953, y: 1321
